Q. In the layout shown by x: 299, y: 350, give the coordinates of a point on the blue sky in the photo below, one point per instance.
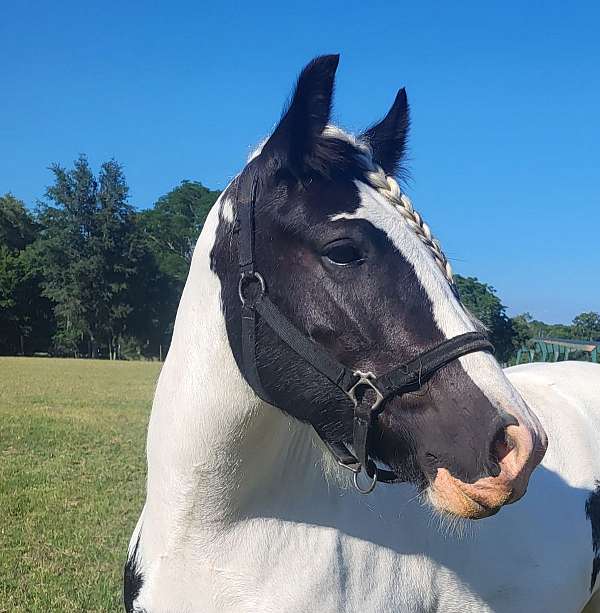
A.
x: 505, y: 147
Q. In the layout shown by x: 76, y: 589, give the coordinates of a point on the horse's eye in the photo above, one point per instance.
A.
x: 344, y: 254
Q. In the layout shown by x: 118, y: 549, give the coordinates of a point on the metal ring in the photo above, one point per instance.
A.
x: 372, y: 485
x: 251, y: 275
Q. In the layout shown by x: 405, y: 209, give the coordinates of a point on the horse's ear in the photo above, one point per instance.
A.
x: 308, y: 113
x: 388, y: 137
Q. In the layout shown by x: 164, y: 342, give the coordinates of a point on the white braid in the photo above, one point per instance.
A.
x: 388, y: 187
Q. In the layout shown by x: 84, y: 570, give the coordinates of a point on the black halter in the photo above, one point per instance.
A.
x: 367, y: 391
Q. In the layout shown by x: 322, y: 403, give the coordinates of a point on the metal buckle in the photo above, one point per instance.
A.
x: 247, y: 277
x: 365, y: 379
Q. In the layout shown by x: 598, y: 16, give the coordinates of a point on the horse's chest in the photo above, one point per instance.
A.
x: 285, y: 566
x: 376, y: 561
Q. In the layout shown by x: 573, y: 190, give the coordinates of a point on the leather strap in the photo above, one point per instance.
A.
x: 411, y: 376
x: 306, y: 348
x: 363, y: 418
x: 247, y: 272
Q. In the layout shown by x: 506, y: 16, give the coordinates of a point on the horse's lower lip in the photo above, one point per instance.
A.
x: 484, y: 510
x: 473, y: 501
x: 477, y: 509
x: 490, y: 509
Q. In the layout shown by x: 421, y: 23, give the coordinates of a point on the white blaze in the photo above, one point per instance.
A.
x: 448, y: 313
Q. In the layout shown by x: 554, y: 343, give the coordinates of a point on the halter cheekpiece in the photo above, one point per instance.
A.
x: 368, y: 392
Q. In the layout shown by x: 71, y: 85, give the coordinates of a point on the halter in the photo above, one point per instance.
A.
x: 368, y: 392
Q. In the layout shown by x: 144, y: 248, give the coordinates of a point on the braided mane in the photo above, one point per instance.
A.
x: 388, y: 187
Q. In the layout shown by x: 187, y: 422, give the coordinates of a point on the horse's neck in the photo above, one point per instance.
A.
x: 215, y: 451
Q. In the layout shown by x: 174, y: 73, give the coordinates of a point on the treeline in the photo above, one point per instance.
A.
x: 87, y: 275
x: 510, y: 334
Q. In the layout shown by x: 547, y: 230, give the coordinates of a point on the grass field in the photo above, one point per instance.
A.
x: 72, y: 436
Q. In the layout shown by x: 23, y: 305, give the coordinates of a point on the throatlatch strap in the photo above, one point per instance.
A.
x: 249, y: 351
x: 246, y: 242
x: 248, y: 315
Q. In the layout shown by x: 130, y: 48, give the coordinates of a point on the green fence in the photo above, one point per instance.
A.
x: 558, y: 349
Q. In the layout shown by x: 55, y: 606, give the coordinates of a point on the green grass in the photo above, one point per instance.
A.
x: 72, y: 437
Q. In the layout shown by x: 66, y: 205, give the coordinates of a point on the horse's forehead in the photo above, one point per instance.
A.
x: 323, y: 199
x: 383, y: 214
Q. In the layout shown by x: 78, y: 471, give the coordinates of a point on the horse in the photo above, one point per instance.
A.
x: 330, y: 420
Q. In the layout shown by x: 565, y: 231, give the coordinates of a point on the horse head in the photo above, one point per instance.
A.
x: 354, y: 268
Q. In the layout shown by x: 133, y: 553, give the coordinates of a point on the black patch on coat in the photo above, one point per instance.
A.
x: 372, y: 316
x: 592, y: 512
x: 132, y: 580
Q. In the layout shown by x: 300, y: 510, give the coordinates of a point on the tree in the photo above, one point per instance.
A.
x: 111, y: 244
x: 587, y: 325
x: 26, y: 321
x: 173, y: 225
x: 10, y: 315
x: 482, y: 301
x: 85, y: 248
x: 170, y: 231
x: 17, y: 228
x: 540, y: 329
x: 522, y: 329
x: 114, y: 276
x: 153, y: 300
x: 65, y: 255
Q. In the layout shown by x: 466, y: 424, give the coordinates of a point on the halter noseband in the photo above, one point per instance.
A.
x: 368, y: 392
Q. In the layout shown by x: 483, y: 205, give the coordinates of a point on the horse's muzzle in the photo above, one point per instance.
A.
x: 517, y: 455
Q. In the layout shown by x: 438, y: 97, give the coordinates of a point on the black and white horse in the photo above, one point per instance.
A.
x: 247, y: 509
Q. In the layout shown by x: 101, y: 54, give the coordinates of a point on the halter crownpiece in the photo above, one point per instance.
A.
x: 368, y: 392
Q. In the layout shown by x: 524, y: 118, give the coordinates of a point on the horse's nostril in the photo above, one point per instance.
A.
x: 500, y: 447
x: 501, y: 444
x: 494, y: 468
